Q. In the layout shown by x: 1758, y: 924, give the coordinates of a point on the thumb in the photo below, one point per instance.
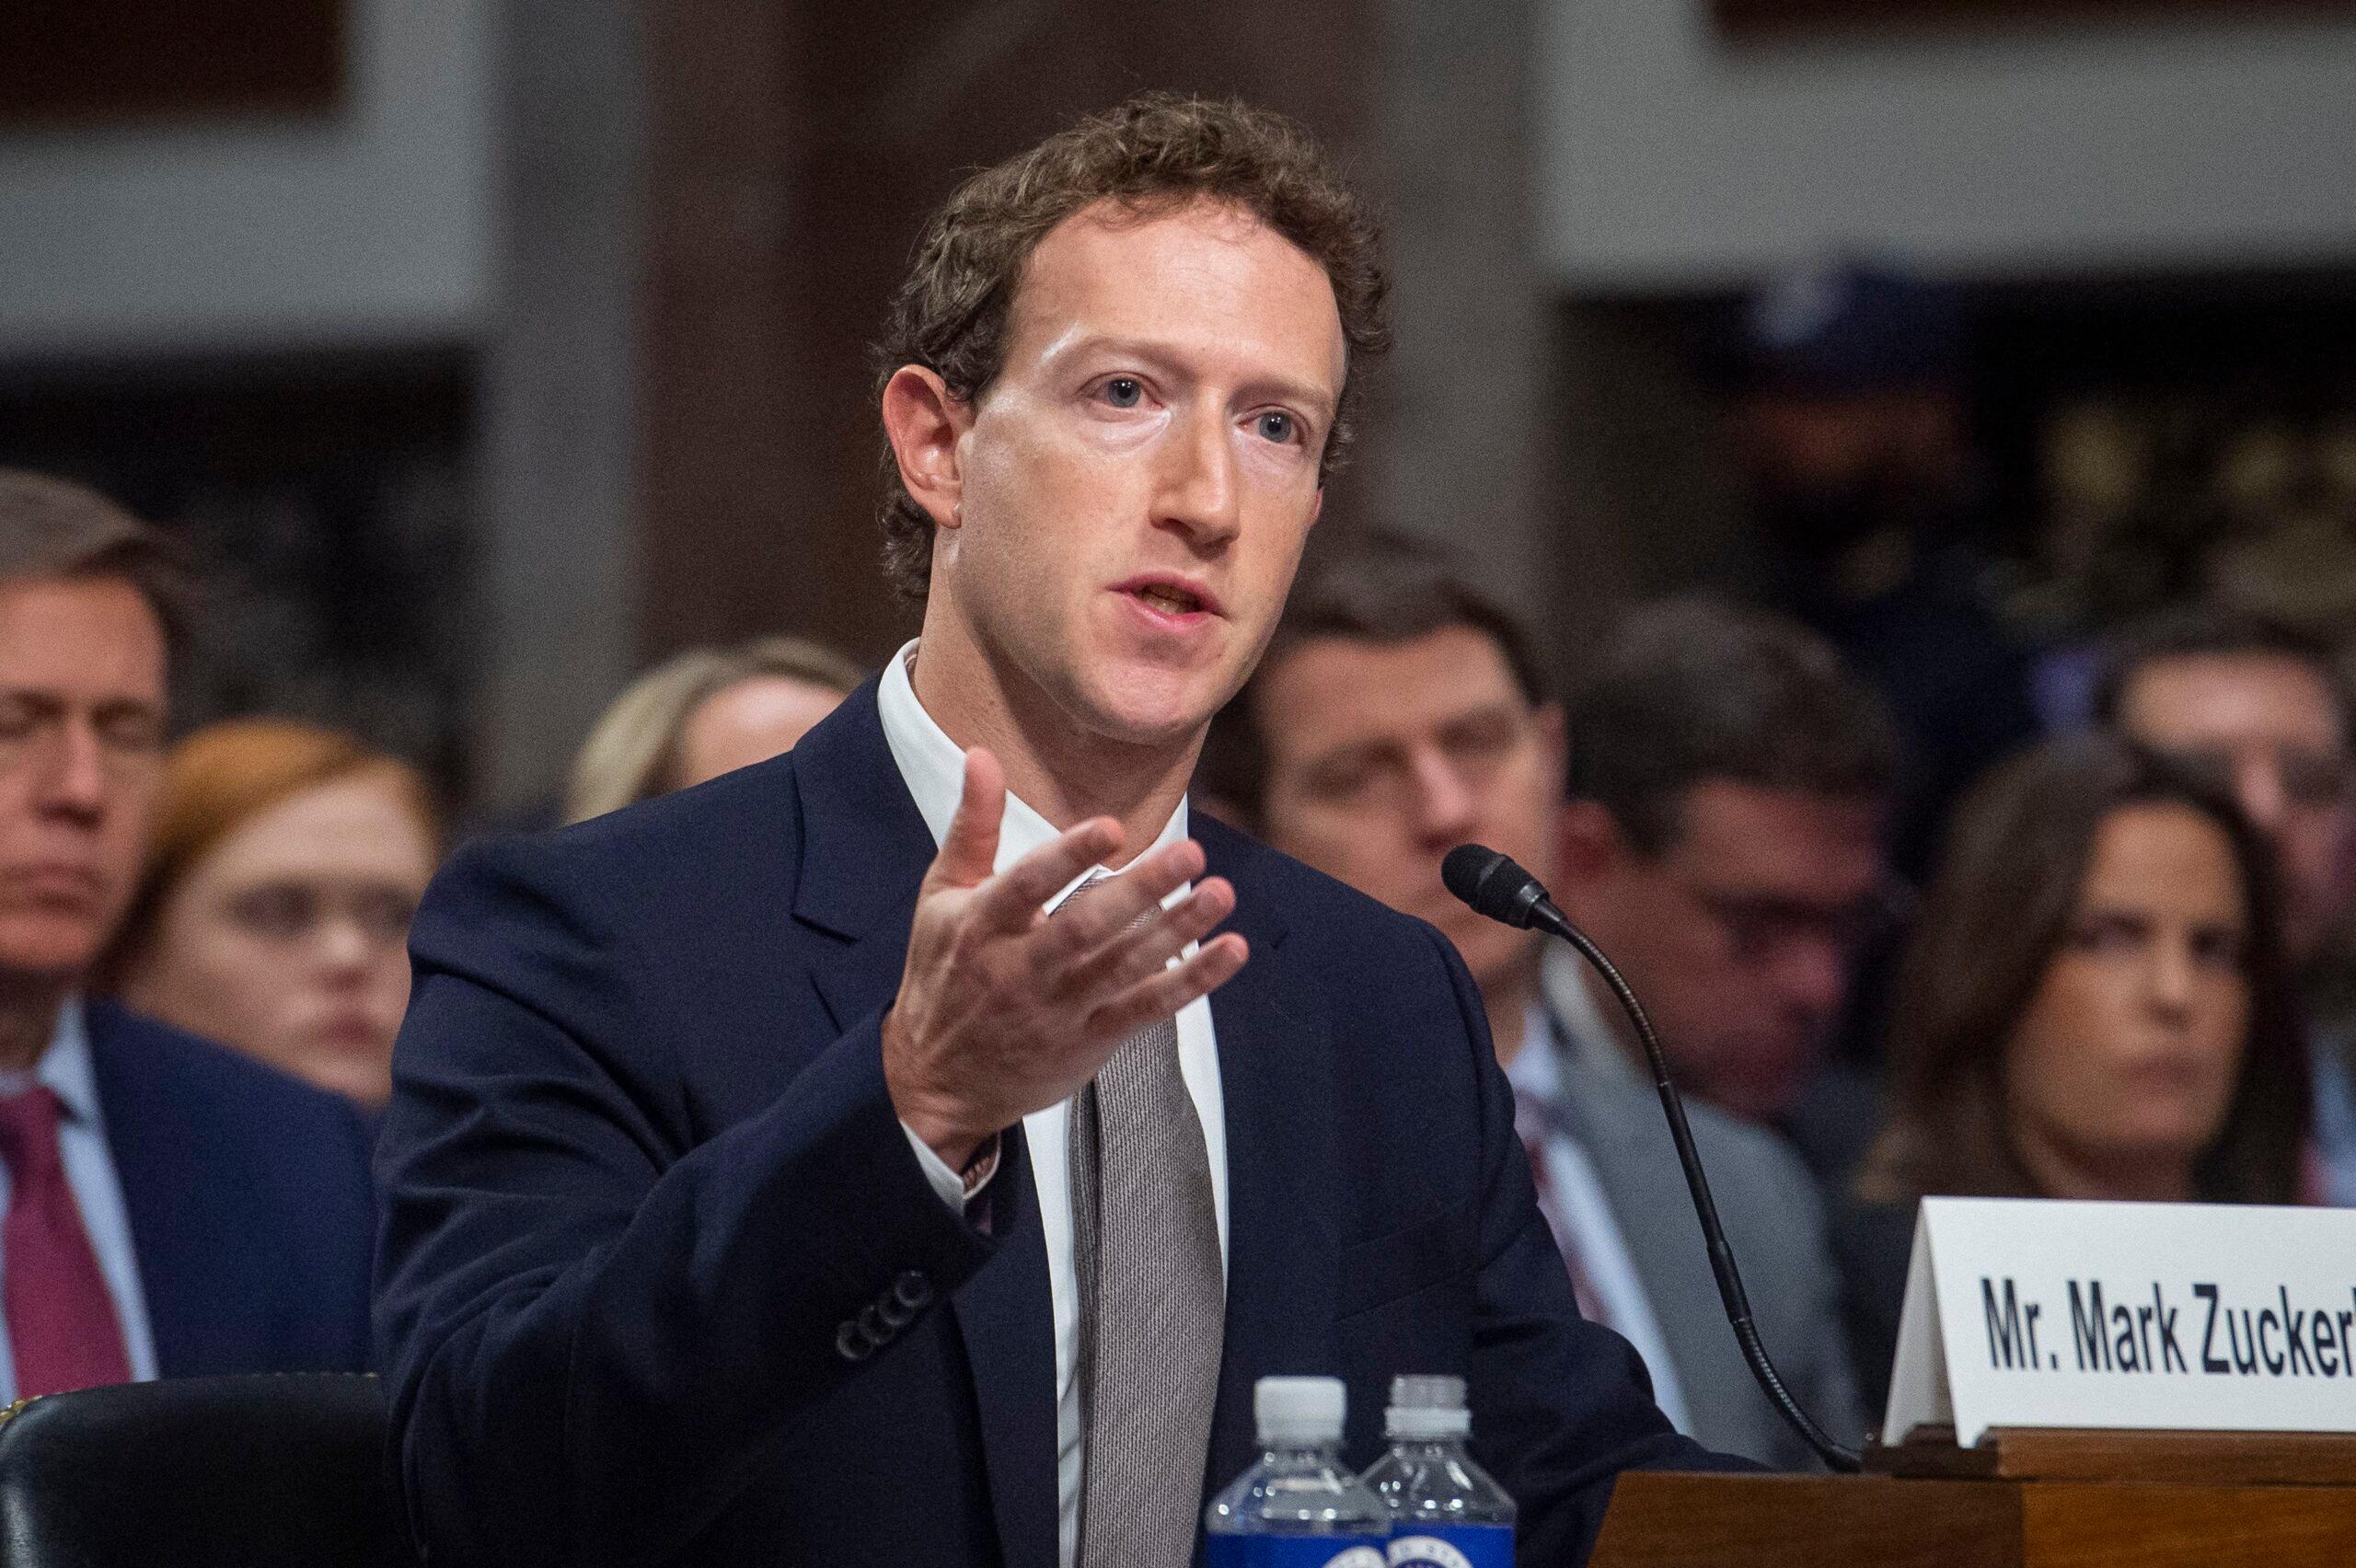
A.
x: 969, y: 850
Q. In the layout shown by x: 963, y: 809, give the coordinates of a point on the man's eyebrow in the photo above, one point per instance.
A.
x: 1366, y: 748
x: 49, y: 700
x: 1504, y: 707
x: 1156, y: 355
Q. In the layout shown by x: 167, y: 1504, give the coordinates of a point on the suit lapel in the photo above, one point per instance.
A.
x: 193, y: 1241
x: 1276, y: 1061
x: 1619, y: 1129
x: 865, y: 848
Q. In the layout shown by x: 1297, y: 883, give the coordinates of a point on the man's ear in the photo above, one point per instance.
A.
x: 925, y: 423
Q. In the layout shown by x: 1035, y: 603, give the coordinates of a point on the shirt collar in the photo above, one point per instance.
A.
x: 1535, y: 1070
x: 64, y: 1067
x: 933, y: 767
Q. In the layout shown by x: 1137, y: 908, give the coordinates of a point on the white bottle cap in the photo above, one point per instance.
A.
x: 1427, y: 1409
x: 1299, y: 1410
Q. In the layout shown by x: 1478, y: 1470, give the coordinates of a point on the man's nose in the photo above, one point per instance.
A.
x: 73, y: 777
x: 1812, y: 976
x: 1444, y: 807
x: 1199, y: 484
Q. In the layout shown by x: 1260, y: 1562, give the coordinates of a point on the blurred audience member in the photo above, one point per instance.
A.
x: 2261, y: 712
x: 703, y: 713
x: 1729, y: 789
x: 1849, y: 421
x: 2093, y: 1004
x: 172, y: 1208
x: 273, y: 915
x: 1396, y: 715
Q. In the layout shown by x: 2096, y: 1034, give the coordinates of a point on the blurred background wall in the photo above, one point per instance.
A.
x: 527, y: 340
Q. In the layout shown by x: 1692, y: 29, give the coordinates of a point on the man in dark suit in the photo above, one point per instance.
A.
x: 172, y: 1208
x: 872, y: 1155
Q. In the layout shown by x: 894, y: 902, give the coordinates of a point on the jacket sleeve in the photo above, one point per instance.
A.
x: 592, y: 1327
x: 1563, y: 1405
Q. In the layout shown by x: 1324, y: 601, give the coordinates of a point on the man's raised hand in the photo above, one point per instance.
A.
x: 1002, y: 1012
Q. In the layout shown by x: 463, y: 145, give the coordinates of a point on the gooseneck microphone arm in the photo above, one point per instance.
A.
x: 1495, y: 886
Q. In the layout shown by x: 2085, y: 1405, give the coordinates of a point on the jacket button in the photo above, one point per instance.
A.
x: 853, y: 1344
x: 912, y: 1289
x: 872, y: 1324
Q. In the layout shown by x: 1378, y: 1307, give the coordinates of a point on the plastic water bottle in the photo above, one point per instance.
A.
x: 1445, y: 1510
x: 1299, y: 1506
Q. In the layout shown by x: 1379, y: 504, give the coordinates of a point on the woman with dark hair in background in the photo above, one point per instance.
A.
x: 272, y: 911
x: 2095, y: 1005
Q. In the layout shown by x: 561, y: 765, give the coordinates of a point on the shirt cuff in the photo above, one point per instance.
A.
x: 954, y: 1189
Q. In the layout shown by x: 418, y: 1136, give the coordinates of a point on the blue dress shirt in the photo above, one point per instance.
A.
x: 64, y: 1067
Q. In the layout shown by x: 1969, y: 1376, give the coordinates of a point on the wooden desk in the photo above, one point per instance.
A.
x: 2052, y: 1499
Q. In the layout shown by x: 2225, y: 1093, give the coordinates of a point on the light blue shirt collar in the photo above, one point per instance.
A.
x: 64, y: 1069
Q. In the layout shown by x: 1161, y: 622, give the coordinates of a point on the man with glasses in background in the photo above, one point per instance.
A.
x: 2260, y: 709
x: 1729, y: 784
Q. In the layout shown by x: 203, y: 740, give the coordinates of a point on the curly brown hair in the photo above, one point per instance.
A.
x: 1156, y: 152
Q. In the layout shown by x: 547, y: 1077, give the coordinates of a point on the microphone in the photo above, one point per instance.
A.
x: 1495, y: 886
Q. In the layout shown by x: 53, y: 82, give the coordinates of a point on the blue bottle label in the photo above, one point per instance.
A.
x: 1291, y: 1551
x: 1453, y: 1546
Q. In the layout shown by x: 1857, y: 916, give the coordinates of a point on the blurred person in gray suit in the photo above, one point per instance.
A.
x: 1731, y: 784
x: 1396, y: 714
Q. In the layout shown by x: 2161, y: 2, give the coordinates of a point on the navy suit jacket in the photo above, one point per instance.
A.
x: 641, y: 1172
x: 251, y: 1212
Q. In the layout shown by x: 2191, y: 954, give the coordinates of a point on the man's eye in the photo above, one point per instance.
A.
x: 1123, y: 391
x: 1277, y: 426
x: 1344, y: 779
x: 133, y: 731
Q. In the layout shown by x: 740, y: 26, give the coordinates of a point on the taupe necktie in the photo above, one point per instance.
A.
x: 1152, y: 1301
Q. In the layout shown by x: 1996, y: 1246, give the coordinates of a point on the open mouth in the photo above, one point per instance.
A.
x: 1169, y: 598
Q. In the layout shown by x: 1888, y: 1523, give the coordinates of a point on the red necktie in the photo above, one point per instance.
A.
x: 1582, y: 1288
x: 62, y: 1325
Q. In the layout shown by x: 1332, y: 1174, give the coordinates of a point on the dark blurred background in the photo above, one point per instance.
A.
x: 488, y: 351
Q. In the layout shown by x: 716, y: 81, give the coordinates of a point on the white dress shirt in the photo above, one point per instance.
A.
x: 933, y: 768
x: 89, y: 1164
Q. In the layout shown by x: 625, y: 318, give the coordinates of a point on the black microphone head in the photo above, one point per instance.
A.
x: 1491, y: 883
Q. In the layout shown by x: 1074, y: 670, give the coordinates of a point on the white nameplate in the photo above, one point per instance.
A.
x: 2191, y: 1317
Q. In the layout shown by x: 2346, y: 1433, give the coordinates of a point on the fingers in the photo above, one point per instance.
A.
x: 1213, y: 965
x: 1120, y: 904
x: 1011, y: 901
x: 1134, y: 953
x: 969, y: 850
